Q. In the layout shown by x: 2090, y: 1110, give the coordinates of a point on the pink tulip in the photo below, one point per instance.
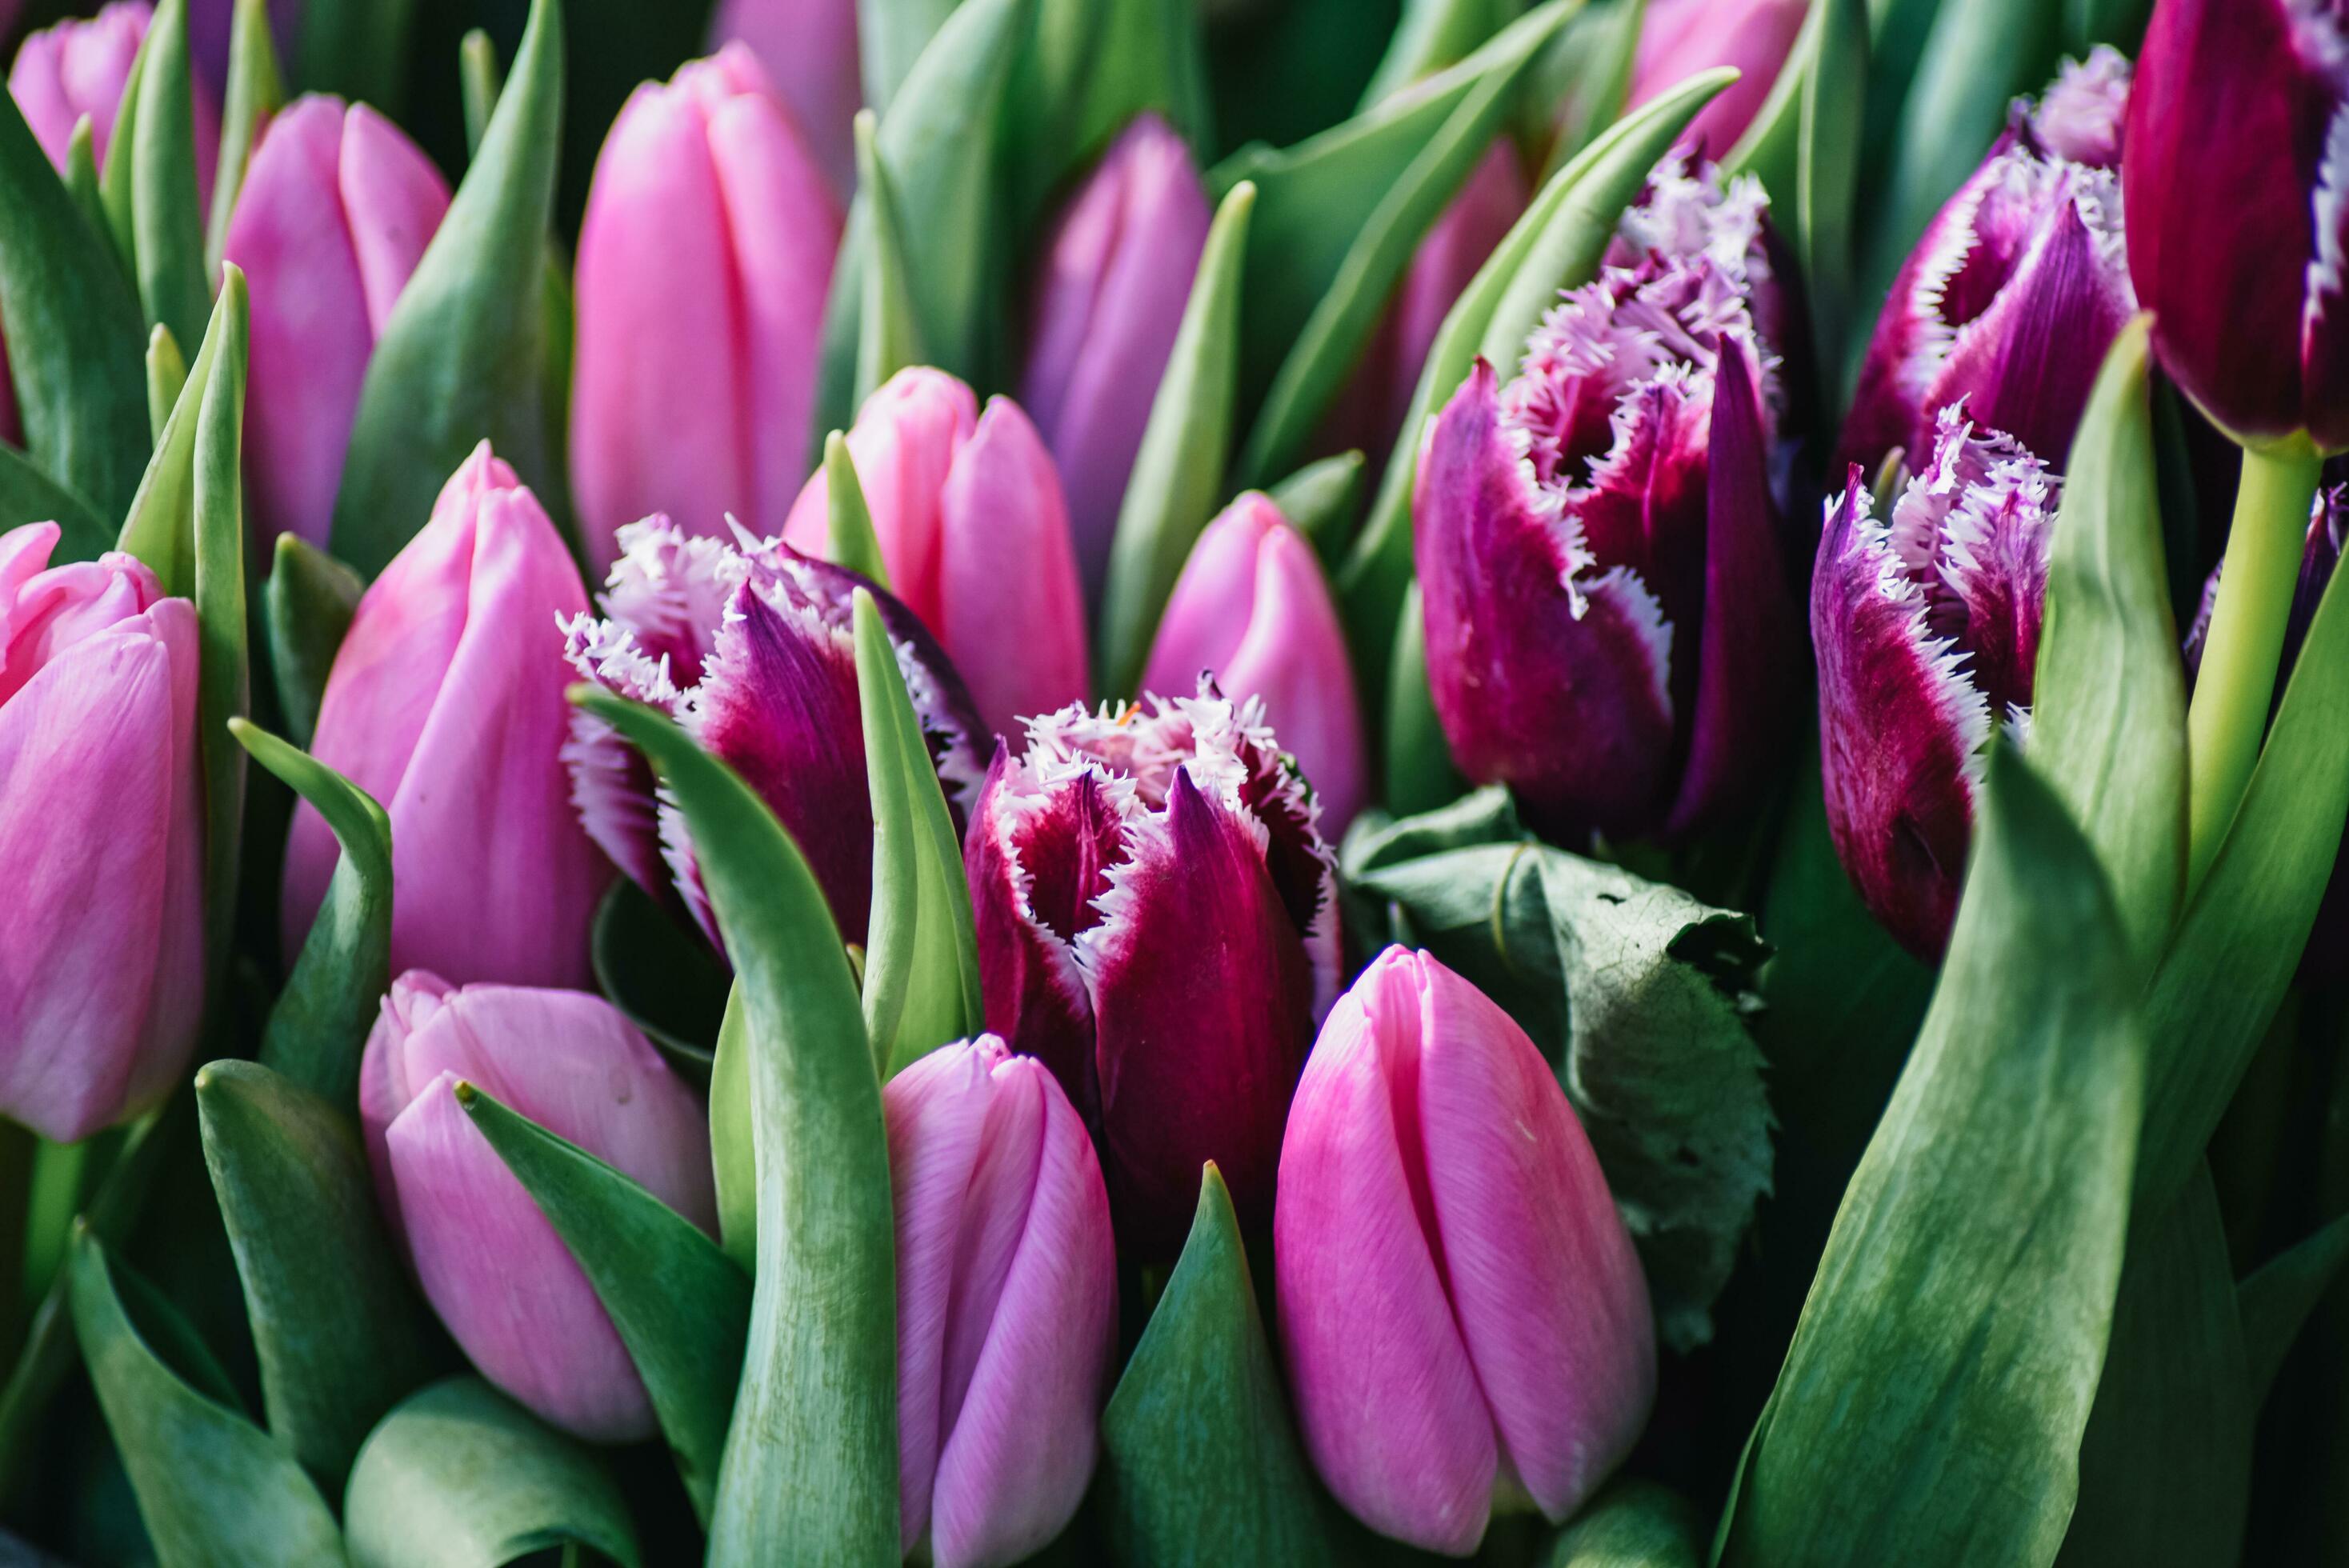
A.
x: 80, y: 67
x: 101, y: 838
x: 808, y: 48
x: 1253, y: 609
x: 333, y: 217
x: 446, y: 704
x: 705, y: 258
x: 968, y: 511
x: 1464, y: 1319
x: 1007, y: 1303
x: 491, y: 1264
x: 1681, y: 37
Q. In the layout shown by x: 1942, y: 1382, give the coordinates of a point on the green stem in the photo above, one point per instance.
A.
x: 49, y: 1211
x: 2245, y: 643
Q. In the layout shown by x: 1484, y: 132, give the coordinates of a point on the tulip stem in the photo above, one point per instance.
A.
x: 2245, y: 642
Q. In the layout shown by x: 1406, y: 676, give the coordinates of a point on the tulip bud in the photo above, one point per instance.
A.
x: 490, y: 1261
x: 2237, y: 181
x: 1464, y: 1319
x: 210, y: 25
x: 101, y: 838
x: 80, y: 67
x: 969, y: 513
x: 445, y: 703
x: 1007, y: 1303
x: 1157, y: 923
x: 808, y: 49
x: 330, y: 222
x: 1682, y: 37
x: 1253, y: 609
x: 705, y: 258
x: 752, y: 650
x: 1609, y: 630
x: 1927, y: 632
x: 2019, y: 286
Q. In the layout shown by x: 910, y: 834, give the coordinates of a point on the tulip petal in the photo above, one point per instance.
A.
x: 1208, y: 613
x: 905, y: 444
x: 393, y: 198
x: 1294, y: 659
x: 1012, y: 608
x: 810, y: 49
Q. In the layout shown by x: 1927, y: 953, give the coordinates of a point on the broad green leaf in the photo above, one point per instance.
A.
x: 1090, y: 66
x: 890, y: 37
x: 812, y: 1458
x: 28, y: 495
x: 1920, y: 1418
x: 257, y: 90
x: 2277, y: 1299
x: 889, y: 335
x: 149, y: 181
x: 167, y: 377
x: 1199, y: 1465
x: 458, y: 1476
x: 653, y: 966
x: 1435, y: 34
x: 1827, y: 173
x: 340, y: 1331
x: 306, y: 606
x: 682, y: 1309
x: 1322, y: 500
x: 1178, y: 472
x: 1420, y: 775
x: 1633, y: 1523
x: 356, y: 50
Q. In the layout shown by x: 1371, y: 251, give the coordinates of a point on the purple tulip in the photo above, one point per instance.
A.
x: 2017, y: 289
x: 490, y: 1261
x: 330, y: 222
x: 969, y: 513
x: 1007, y: 1303
x: 705, y: 257
x: 1681, y: 37
x: 751, y: 649
x: 210, y: 23
x: 80, y: 67
x: 101, y: 838
x: 1464, y: 1317
x: 1253, y: 609
x: 1927, y: 632
x: 445, y: 703
x: 1157, y: 923
x: 809, y: 48
x: 1608, y: 629
x: 2237, y: 182
x: 1115, y: 276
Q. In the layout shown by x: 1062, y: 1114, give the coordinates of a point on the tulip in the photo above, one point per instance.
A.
x: 968, y: 511
x: 210, y: 23
x: 80, y: 67
x: 2018, y: 288
x: 101, y: 838
x: 330, y: 222
x: 1464, y: 1317
x: 1157, y: 923
x: 1927, y: 633
x: 1681, y: 37
x: 445, y: 703
x: 1007, y: 1303
x: 1253, y: 609
x: 808, y: 49
x: 1116, y: 278
x: 751, y: 649
x: 490, y: 1261
x: 705, y: 257
x: 1609, y: 630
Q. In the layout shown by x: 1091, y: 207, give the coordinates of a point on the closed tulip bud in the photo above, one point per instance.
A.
x: 445, y: 703
x: 1680, y: 38
x: 810, y: 51
x: 491, y: 1263
x: 1609, y: 627
x: 1465, y: 1321
x: 1157, y: 922
x: 1007, y: 1303
x: 80, y: 67
x: 974, y: 530
x: 330, y: 222
x: 705, y: 257
x: 752, y: 650
x: 101, y: 838
x: 2017, y: 289
x: 1253, y: 610
x: 1927, y: 633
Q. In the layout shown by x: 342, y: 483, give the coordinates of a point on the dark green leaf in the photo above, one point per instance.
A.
x: 1826, y: 182
x: 357, y: 49
x: 653, y: 967
x: 150, y: 180
x: 28, y: 495
x: 306, y: 606
x: 1632, y: 1524
x: 1420, y: 775
x: 224, y: 687
x: 1322, y: 500
x: 2120, y: 22
x: 1583, y: 79
x: 257, y: 90
x: 2275, y: 1301
x: 1092, y: 66
x: 889, y: 333
x: 1435, y: 34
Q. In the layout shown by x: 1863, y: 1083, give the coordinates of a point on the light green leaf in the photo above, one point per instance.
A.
x: 1420, y: 775
x: 851, y: 542
x: 1583, y: 79
x: 2277, y: 1299
x: 1826, y: 177
x: 479, y: 80
x: 1322, y: 500
x: 732, y: 1157
x: 167, y: 377
x: 256, y: 91
x: 149, y: 181
x: 890, y: 37
x: 1435, y: 34
x: 306, y: 606
x: 356, y: 50
x: 1633, y: 1523
x: 889, y: 336
x: 223, y: 687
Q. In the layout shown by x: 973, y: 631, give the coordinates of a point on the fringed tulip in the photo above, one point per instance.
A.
x: 1157, y: 922
x: 809, y: 50
x: 1465, y: 1321
x: 1007, y: 1303
x: 80, y: 67
x: 101, y: 839
x: 445, y: 703
x: 491, y: 1263
x: 1680, y: 38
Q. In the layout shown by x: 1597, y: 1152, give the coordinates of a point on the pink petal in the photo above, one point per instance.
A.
x: 904, y: 443
x: 809, y: 48
x: 394, y: 199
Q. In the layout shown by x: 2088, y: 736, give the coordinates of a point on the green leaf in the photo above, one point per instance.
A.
x: 150, y: 182
x: 81, y: 179
x: 1420, y: 775
x: 306, y: 606
x: 889, y: 333
x: 461, y: 357
x: 479, y: 80
x: 1921, y: 1418
x: 212, y: 1487
x: 1633, y: 1523
x: 167, y: 377
x: 2120, y: 22
x: 256, y: 91
x: 732, y: 1158
x: 1826, y: 180
x: 2277, y: 1299
x: 891, y: 35
x: 1090, y: 66
x: 1583, y: 79
x: 1435, y: 34
x: 224, y: 687
x: 851, y: 541
x: 458, y: 1476
x: 1177, y: 475
x: 657, y: 970
x: 356, y: 50
x: 341, y: 1334
x: 1199, y: 1462
x: 682, y: 1308
x: 1322, y: 500
x: 28, y: 495
x: 812, y: 1458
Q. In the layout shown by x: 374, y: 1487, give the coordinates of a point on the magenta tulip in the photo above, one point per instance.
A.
x: 809, y: 48
x: 445, y: 703
x: 705, y: 257
x: 1681, y: 37
x: 490, y: 1261
x: 101, y: 839
x: 1007, y: 1303
x: 80, y: 67
x: 1464, y: 1317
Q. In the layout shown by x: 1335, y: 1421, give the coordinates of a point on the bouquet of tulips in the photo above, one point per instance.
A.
x: 1222, y: 782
